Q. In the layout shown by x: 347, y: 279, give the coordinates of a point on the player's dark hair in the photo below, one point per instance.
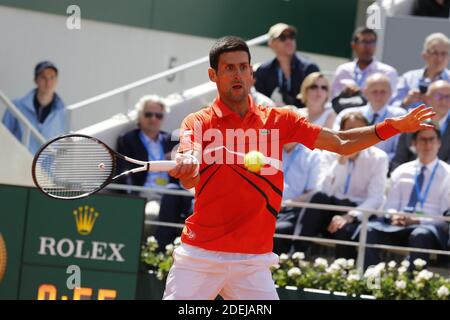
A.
x: 226, y: 44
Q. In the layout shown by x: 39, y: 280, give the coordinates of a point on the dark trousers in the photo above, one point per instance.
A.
x: 413, y: 236
x: 286, y: 221
x: 316, y: 221
x: 174, y: 209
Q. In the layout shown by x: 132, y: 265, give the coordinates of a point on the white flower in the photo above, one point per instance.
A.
x: 392, y: 264
x: 321, y: 262
x: 402, y: 270
x: 400, y: 284
x: 424, y: 275
x: 405, y: 263
x: 298, y: 256
x: 151, y: 239
x: 419, y: 263
x: 293, y: 272
x: 334, y: 267
x: 350, y: 263
x: 341, y: 262
x: 372, y: 272
x: 381, y: 266
x: 177, y: 241
x: 353, y: 277
x: 283, y: 257
x: 443, y: 292
x: 169, y: 248
x: 276, y: 266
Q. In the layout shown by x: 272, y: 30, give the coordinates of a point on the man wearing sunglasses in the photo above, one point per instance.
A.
x: 148, y: 143
x: 281, y: 78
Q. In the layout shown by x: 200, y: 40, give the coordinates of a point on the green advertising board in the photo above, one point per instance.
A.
x: 12, y: 224
x: 97, y: 240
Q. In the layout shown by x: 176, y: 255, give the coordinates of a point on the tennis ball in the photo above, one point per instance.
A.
x: 254, y: 161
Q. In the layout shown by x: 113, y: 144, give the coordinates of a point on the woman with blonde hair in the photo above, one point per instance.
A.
x: 314, y: 93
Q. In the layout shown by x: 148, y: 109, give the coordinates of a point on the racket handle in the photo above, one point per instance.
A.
x: 162, y: 165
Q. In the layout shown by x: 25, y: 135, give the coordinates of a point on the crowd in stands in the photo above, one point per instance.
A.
x: 409, y: 173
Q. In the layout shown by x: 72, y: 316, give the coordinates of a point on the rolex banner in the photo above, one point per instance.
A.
x: 78, y: 249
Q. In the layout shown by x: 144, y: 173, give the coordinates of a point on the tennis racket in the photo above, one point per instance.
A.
x: 75, y: 166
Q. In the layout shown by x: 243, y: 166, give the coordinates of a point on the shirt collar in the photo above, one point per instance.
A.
x: 444, y: 75
x: 222, y: 110
x: 429, y: 166
x: 380, y: 112
x: 148, y: 140
x: 444, y: 119
x: 368, y: 68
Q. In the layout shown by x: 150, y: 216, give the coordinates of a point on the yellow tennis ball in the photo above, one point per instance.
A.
x: 254, y: 161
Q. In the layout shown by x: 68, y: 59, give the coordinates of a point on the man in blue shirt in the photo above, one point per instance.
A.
x: 41, y: 106
x: 281, y: 78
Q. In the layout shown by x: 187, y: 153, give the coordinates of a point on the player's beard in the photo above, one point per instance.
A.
x: 238, y: 97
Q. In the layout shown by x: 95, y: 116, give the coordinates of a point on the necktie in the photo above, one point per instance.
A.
x: 414, y: 197
x: 375, y: 116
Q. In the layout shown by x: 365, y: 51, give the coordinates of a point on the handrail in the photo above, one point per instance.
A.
x: 20, y: 117
x: 161, y: 75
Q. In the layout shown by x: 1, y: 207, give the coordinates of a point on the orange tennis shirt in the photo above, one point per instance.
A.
x: 235, y: 209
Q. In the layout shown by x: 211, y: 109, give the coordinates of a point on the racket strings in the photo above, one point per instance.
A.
x: 73, y: 166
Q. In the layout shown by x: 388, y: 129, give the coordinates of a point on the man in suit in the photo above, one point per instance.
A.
x: 149, y: 143
x: 421, y: 186
x: 438, y: 97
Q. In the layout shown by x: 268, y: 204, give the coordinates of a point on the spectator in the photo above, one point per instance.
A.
x: 356, y: 181
x: 301, y: 172
x: 42, y: 107
x: 261, y: 99
x: 421, y: 186
x: 351, y: 77
x: 378, y: 93
x: 414, y: 84
x: 147, y: 143
x: 438, y: 97
x: 314, y: 94
x: 431, y: 8
x: 281, y: 78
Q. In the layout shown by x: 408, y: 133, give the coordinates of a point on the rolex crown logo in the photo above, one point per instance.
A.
x: 85, y: 219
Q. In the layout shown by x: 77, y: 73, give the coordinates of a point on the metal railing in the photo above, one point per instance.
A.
x: 360, y: 244
x: 29, y: 128
x: 158, y: 76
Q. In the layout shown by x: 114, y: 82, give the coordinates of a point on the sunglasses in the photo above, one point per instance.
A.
x: 284, y: 37
x: 158, y: 115
x: 315, y: 87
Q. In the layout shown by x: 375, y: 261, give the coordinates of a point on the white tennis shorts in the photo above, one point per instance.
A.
x: 199, y: 274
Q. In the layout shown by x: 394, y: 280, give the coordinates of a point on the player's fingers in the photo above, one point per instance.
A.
x: 426, y: 116
x: 416, y: 110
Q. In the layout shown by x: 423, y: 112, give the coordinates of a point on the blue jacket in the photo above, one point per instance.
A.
x: 54, y: 125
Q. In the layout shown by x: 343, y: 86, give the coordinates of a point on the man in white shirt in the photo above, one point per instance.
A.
x: 301, y: 168
x: 421, y: 186
x: 378, y: 92
x: 351, y: 77
x: 357, y: 181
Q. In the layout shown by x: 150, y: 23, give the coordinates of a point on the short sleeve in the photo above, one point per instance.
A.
x: 299, y: 129
x: 190, y: 134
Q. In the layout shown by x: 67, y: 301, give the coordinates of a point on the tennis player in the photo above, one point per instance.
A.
x: 227, y: 242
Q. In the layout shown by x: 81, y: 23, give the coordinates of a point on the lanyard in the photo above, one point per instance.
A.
x: 350, y: 167
x: 379, y: 119
x: 422, y: 198
x: 360, y: 75
x: 280, y: 80
x: 146, y: 142
x: 294, y: 154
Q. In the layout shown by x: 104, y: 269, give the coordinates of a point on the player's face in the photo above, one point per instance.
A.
x: 46, y: 81
x: 234, y: 76
x: 427, y: 144
x: 437, y: 56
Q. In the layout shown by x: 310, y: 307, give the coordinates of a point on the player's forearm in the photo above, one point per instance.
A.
x: 357, y: 139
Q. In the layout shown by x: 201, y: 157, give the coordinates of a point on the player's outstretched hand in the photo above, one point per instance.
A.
x: 413, y: 121
x: 187, y: 167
